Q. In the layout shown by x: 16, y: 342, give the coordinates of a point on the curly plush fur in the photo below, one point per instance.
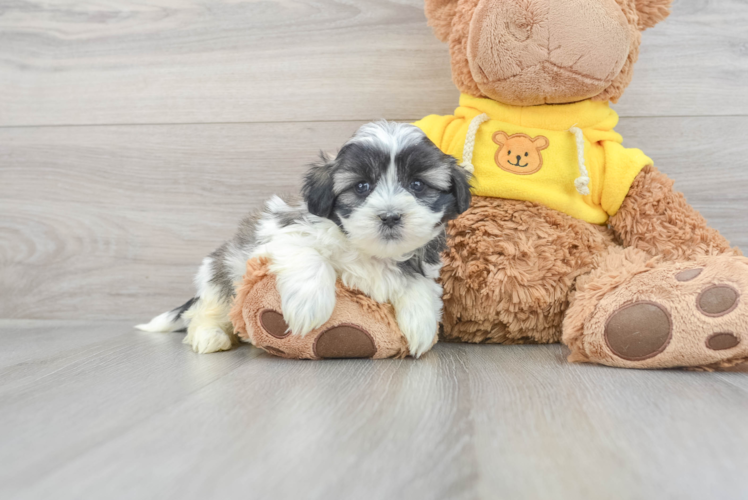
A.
x: 510, y: 271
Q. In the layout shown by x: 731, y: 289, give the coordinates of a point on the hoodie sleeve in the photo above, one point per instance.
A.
x: 439, y: 130
x: 622, y: 165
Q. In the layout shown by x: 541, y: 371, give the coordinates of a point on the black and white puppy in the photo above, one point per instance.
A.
x: 373, y: 217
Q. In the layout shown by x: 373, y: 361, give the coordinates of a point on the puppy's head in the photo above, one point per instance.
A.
x: 390, y: 189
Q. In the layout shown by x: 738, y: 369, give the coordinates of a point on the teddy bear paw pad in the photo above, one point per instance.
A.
x: 639, y: 331
x: 344, y: 342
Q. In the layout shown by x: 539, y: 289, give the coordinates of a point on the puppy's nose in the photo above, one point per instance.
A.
x: 519, y: 158
x: 390, y: 219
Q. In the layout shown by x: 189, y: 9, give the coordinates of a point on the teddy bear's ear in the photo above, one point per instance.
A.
x: 440, y: 14
x: 541, y: 142
x: 500, y: 138
x: 652, y: 12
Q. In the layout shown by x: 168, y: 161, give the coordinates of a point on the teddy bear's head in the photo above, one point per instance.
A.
x: 529, y: 52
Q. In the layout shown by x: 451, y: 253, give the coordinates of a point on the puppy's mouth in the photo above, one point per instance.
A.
x: 517, y: 164
x: 388, y: 234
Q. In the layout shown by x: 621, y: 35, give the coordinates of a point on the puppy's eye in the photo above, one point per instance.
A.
x: 527, y: 154
x: 417, y: 186
x: 362, y: 188
x: 510, y: 152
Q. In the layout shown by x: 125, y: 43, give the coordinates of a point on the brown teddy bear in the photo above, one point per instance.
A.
x: 591, y: 245
x: 570, y: 237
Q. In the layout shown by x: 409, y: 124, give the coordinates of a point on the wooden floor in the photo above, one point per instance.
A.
x: 96, y: 410
x: 134, y: 135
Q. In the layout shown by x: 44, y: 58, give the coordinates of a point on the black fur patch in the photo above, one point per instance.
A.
x: 285, y: 219
x: 430, y: 254
x: 221, y: 276
x: 460, y: 188
x: 318, y: 187
x: 366, y: 162
x: 184, y: 307
x: 415, y: 161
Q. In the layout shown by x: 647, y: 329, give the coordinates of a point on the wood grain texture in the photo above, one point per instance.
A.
x: 126, y: 62
x: 112, y: 222
x: 120, y: 414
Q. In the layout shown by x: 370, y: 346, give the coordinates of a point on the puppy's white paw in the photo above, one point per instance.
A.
x: 307, y: 308
x: 420, y: 328
x: 207, y: 339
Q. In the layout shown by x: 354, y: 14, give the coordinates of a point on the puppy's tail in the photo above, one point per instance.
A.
x: 170, y: 321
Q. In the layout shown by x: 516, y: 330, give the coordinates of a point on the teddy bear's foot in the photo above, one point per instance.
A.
x: 649, y: 315
x: 359, y: 326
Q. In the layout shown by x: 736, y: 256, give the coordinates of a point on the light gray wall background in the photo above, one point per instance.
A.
x: 134, y: 135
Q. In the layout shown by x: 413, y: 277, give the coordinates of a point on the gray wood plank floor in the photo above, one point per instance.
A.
x: 97, y: 410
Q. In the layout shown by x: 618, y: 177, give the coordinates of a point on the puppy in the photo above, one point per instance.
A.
x: 373, y: 217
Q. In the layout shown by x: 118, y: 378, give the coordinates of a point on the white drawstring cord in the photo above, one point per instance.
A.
x: 467, y: 151
x: 582, y: 183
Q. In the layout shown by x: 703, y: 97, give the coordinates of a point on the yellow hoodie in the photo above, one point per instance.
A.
x: 533, y: 154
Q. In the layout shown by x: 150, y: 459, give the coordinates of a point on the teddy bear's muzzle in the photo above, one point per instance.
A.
x: 541, y: 51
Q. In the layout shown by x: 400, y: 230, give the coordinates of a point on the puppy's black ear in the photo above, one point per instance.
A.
x: 460, y: 186
x: 318, y: 187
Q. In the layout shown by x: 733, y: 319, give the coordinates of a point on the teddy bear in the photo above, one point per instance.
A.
x: 570, y: 236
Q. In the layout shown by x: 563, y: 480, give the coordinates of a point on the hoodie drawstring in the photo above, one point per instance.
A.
x: 583, y: 181
x: 467, y: 151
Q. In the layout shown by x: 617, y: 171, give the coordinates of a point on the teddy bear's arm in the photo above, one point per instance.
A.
x: 657, y: 219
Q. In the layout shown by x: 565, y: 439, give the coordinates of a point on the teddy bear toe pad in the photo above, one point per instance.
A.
x: 344, y: 341
x: 717, y: 300
x: 274, y: 324
x: 722, y: 341
x: 675, y: 315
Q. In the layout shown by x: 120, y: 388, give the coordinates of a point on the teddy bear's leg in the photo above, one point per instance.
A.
x: 676, y: 296
x: 358, y: 328
x: 638, y: 311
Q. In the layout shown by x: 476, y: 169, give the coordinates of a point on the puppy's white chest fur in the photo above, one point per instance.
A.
x: 380, y: 279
